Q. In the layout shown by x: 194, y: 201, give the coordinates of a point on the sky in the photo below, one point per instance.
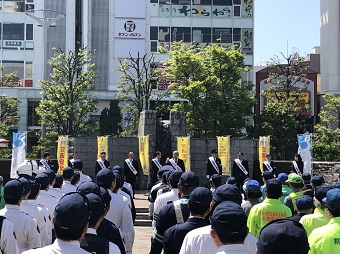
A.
x: 279, y: 21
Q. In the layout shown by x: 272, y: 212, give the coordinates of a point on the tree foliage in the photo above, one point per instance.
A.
x: 67, y: 100
x: 326, y: 140
x: 209, y: 80
x: 281, y: 118
x: 110, y: 119
x: 9, y: 79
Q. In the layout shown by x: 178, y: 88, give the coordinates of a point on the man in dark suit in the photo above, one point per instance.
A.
x: 240, y: 170
x: 101, y: 163
x: 46, y: 163
x: 214, y: 165
x: 269, y: 165
x: 131, y: 169
x: 156, y: 165
x: 176, y: 162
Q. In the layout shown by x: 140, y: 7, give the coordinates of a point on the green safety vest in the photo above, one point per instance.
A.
x: 315, y: 220
x: 294, y: 196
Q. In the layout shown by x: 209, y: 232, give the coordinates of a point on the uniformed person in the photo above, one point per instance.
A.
x: 45, y: 163
x: 316, y: 181
x: 199, y: 206
x: 53, y: 192
x: 215, y: 181
x: 283, y: 177
x: 270, y: 209
x: 229, y: 228
x: 269, y: 165
x: 304, y: 206
x: 282, y: 237
x: 214, y: 165
x: 306, y: 178
x: 157, y: 164
x: 101, y: 163
x: 24, y: 169
x: 68, y: 174
x: 326, y: 239
x: 240, y: 170
x: 176, y: 212
x: 252, y: 193
x: 25, y: 227
x: 176, y: 162
x: 76, y: 179
x: 92, y: 242
x: 78, y: 167
x: 295, y: 184
x: 8, y: 242
x: 71, y: 219
x: 119, y: 213
x: 131, y: 170
x: 75, y: 156
x: 88, y: 187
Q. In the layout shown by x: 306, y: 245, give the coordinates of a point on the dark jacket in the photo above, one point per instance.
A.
x: 272, y: 164
x: 237, y: 172
x: 109, y: 231
x: 98, y: 167
x: 128, y: 173
x: 210, y: 168
x: 180, y: 163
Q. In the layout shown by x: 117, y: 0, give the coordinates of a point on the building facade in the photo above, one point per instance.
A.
x: 115, y: 29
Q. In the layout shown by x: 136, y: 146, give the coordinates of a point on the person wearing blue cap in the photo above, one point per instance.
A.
x: 119, y: 213
x: 156, y: 164
x: 214, y: 165
x: 215, y: 181
x: 92, y: 242
x: 326, y: 239
x: 304, y: 206
x: 78, y: 167
x: 101, y: 163
x: 25, y: 227
x: 68, y: 174
x: 231, y: 180
x: 283, y: 177
x: 175, y: 212
x: 53, y: 192
x: 252, y: 193
x: 316, y: 181
x: 199, y: 206
x: 71, y: 220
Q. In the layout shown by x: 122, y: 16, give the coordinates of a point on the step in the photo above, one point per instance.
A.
x: 142, y: 210
x: 142, y: 216
x: 143, y: 223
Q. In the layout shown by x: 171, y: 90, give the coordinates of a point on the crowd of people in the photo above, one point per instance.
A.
x: 45, y: 212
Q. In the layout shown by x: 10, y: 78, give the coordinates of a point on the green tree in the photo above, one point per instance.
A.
x: 110, y: 119
x: 326, y: 140
x: 9, y: 114
x: 209, y: 80
x: 8, y: 79
x: 68, y: 100
x: 281, y: 118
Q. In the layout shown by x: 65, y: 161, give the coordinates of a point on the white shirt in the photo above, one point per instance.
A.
x: 39, y: 217
x: 113, y: 249
x: 199, y: 241
x: 68, y: 187
x: 47, y: 237
x: 129, y: 187
x: 233, y: 249
x: 162, y: 200
x: 120, y: 215
x: 47, y: 201
x: 8, y: 243
x: 151, y: 204
x: 55, y: 193
x: 59, y: 247
x: 25, y: 227
x: 128, y: 199
x: 83, y: 178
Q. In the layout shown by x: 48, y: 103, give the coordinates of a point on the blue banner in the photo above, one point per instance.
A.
x: 305, y: 150
x: 18, y: 151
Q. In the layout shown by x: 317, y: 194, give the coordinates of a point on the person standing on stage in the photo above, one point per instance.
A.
x: 269, y: 165
x: 131, y: 169
x: 240, y: 170
x: 175, y: 162
x: 101, y: 163
x: 156, y: 165
x: 75, y: 156
x: 46, y: 163
x: 297, y: 164
x: 214, y: 165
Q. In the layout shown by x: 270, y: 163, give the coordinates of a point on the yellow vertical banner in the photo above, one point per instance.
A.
x: 183, y: 147
x: 264, y: 147
x: 144, y: 153
x: 62, y: 153
x: 223, y: 146
x: 103, y: 146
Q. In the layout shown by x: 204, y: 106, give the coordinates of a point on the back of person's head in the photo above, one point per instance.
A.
x: 24, y: 169
x: 274, y: 188
x: 97, y: 206
x: 188, y: 182
x: 231, y: 180
x: 43, y: 179
x: 295, y: 181
x: 106, y: 197
x: 88, y: 187
x: 174, y: 177
x: 105, y: 177
x: 13, y: 191
x: 316, y: 181
x: 35, y: 188
x: 282, y: 237
x: 252, y: 189
x: 228, y: 223
x: 76, y: 178
x: 78, y: 165
x: 26, y: 185
x: 199, y: 201
x: 71, y: 216
x: 216, y: 180
x: 306, y: 178
x: 332, y: 201
x: 58, y: 181
x: 226, y: 192
x: 267, y: 175
x: 68, y: 173
x: 304, y: 204
x: 119, y: 179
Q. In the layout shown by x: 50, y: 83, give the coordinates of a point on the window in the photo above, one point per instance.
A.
x: 237, y: 10
x: 153, y: 1
x: 222, y: 35
x: 154, y: 47
x: 164, y: 34
x: 32, y: 116
x: 29, y: 32
x: 237, y: 1
x: 14, y: 66
x: 187, y: 2
x: 200, y: 34
x: 153, y: 33
x: 222, y: 2
x: 181, y: 34
x: 29, y: 70
x: 236, y: 34
x: 13, y: 31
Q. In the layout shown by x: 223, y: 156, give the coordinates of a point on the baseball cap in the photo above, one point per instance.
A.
x: 267, y: 175
x: 227, y: 192
x: 175, y: 175
x: 201, y: 196
x: 274, y: 187
x: 321, y: 191
x: 214, y: 151
x: 229, y: 218
x: 105, y: 176
x: 24, y: 168
x: 42, y: 178
x: 304, y: 202
x: 317, y: 180
x: 25, y: 184
x: 88, y: 187
x: 216, y: 179
x: 253, y: 186
x: 282, y: 237
x: 294, y: 178
x: 58, y: 180
x: 231, y: 180
x: 72, y: 212
x: 306, y: 177
x: 103, y: 154
x: 161, y: 171
x: 78, y: 164
x: 68, y: 172
x: 332, y: 198
x: 189, y: 179
x: 50, y: 173
x: 283, y: 177
x: 97, y: 207
x: 13, y: 189
x: 35, y: 188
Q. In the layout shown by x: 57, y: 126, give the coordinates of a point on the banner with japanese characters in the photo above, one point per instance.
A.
x: 264, y: 147
x: 223, y: 145
x: 102, y: 143
x: 62, y: 153
x: 144, y: 153
x: 183, y: 147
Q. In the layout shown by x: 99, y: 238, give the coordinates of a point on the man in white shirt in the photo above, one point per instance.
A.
x: 53, y: 192
x: 71, y: 220
x: 78, y: 167
x: 8, y: 243
x: 119, y: 213
x: 25, y: 227
x: 68, y: 174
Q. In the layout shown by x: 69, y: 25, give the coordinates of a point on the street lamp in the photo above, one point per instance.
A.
x: 45, y: 18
